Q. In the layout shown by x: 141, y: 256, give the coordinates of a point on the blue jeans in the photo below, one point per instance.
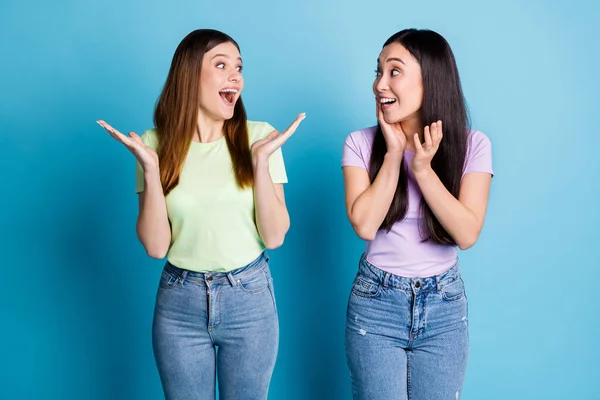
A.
x: 212, y: 324
x: 406, y: 338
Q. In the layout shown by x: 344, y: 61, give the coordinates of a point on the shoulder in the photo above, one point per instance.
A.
x: 358, y: 147
x: 362, y: 138
x: 478, y: 140
x: 150, y: 138
x: 258, y: 130
x: 479, y: 153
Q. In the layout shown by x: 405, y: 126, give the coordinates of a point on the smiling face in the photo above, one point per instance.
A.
x: 221, y: 81
x: 398, y: 86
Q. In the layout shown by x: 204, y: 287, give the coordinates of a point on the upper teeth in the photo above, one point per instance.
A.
x: 386, y: 100
x: 229, y: 90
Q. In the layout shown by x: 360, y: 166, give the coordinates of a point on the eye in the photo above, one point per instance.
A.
x: 377, y: 73
x: 395, y: 72
x: 239, y: 68
x: 221, y: 65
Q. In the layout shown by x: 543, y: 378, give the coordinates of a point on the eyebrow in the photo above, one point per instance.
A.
x: 393, y: 59
x: 224, y: 55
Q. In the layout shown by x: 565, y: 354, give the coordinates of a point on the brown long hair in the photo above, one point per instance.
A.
x: 176, y: 113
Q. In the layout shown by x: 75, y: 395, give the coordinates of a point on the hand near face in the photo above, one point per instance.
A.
x: 424, y: 152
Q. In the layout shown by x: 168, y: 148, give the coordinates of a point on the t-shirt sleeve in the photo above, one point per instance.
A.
x: 479, y: 154
x: 276, y: 164
x: 354, y: 152
x: 150, y: 139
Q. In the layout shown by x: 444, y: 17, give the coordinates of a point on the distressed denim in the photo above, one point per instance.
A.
x: 406, y: 338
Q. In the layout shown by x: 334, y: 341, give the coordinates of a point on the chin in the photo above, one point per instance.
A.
x: 227, y: 116
x: 392, y: 118
x: 223, y: 115
x: 397, y: 116
x: 227, y: 112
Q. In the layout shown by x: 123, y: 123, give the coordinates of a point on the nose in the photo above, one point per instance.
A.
x: 380, y: 85
x: 236, y: 76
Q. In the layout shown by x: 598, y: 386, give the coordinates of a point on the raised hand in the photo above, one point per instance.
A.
x: 424, y: 152
x: 146, y: 156
x: 263, y: 148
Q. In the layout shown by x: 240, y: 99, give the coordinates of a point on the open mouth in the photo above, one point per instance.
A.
x: 228, y: 96
x: 386, y: 102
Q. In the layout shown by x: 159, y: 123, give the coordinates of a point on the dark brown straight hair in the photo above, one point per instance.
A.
x: 442, y: 100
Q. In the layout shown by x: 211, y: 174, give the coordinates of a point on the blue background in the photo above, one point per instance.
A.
x: 77, y: 291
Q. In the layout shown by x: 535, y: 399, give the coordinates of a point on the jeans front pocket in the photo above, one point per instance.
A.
x: 454, y: 290
x: 364, y: 288
x: 167, y: 280
x: 254, y: 283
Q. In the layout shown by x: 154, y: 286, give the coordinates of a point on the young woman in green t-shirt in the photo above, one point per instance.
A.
x: 211, y: 200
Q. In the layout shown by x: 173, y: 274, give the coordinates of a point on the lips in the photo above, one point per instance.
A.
x: 386, y: 102
x: 229, y: 95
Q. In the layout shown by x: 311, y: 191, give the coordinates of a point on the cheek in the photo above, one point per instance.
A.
x: 207, y: 100
x: 410, y: 95
x: 209, y: 80
x: 204, y: 93
x: 416, y: 98
x: 416, y: 89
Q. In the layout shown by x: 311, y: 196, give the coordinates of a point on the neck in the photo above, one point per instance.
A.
x: 208, y: 129
x: 410, y: 127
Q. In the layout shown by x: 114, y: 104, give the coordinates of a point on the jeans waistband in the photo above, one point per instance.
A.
x: 220, y: 277
x: 387, y: 279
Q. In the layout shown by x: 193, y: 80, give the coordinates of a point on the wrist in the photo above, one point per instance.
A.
x: 259, y: 162
x: 423, y: 172
x: 151, y: 173
x: 394, y: 155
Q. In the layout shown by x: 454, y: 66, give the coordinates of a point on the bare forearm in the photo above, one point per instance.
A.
x: 459, y: 221
x: 153, y: 228
x: 272, y: 218
x: 371, y: 207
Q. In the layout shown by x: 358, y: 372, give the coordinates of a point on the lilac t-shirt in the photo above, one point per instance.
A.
x: 401, y: 251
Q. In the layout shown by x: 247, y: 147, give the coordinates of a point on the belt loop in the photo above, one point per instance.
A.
x: 386, y: 279
x: 231, y: 279
x: 183, y: 276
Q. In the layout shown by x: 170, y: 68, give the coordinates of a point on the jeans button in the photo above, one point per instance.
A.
x: 209, y: 278
x: 418, y: 284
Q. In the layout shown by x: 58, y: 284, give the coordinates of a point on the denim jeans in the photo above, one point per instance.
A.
x: 406, y: 338
x: 216, y: 324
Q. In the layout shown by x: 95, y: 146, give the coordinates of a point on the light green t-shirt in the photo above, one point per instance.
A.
x: 213, y: 225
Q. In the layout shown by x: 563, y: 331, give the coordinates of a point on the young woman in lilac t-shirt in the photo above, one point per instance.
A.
x: 417, y: 187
